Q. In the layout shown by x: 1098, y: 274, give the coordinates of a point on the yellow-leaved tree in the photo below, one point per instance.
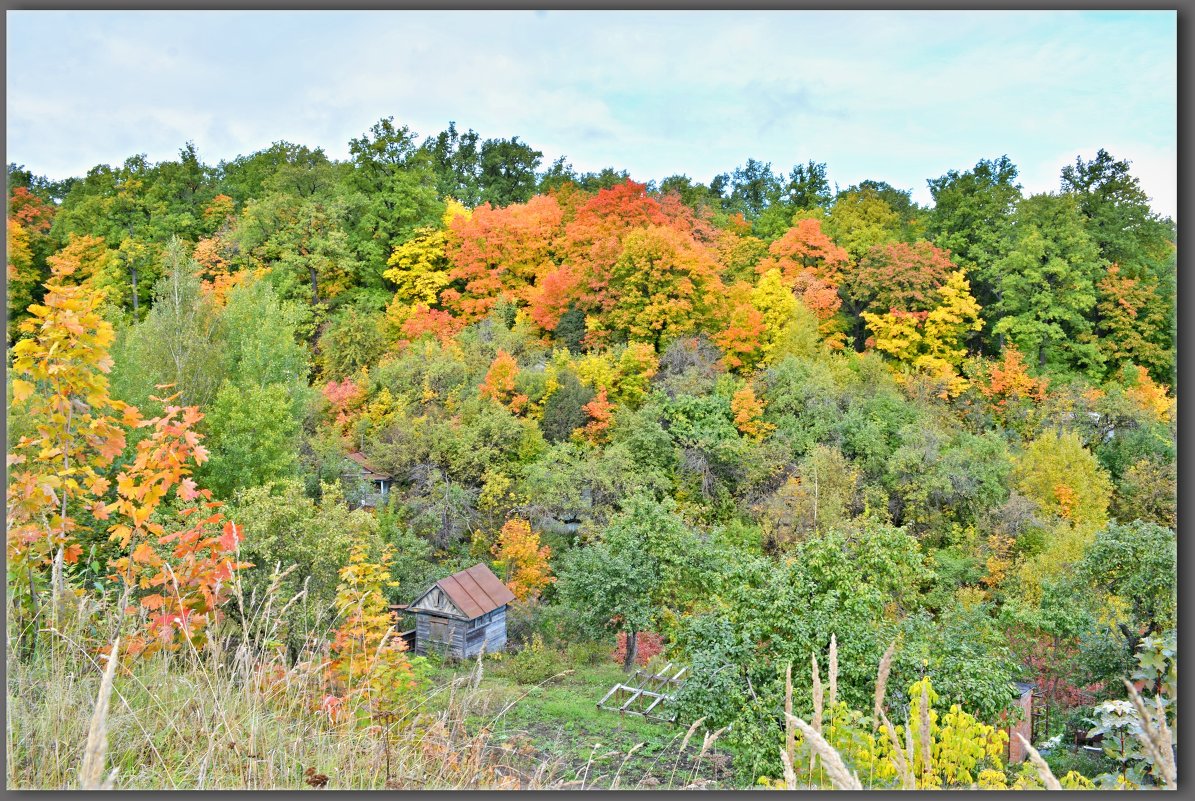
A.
x: 60, y: 386
x: 418, y: 268
x: 933, y: 341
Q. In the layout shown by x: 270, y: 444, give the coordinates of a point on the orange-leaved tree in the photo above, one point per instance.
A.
x: 180, y: 553
x: 522, y: 560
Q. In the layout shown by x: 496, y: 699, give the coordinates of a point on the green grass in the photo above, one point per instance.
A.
x: 558, y: 722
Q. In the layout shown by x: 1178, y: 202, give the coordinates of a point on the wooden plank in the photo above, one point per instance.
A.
x: 631, y: 700
x: 655, y: 703
x: 613, y: 690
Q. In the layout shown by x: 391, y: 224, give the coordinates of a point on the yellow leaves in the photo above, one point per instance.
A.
x: 1148, y: 395
x: 21, y: 390
x: 523, y: 560
x: 748, y: 414
x: 933, y: 341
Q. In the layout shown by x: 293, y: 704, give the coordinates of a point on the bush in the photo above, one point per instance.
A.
x: 532, y: 664
x: 587, y: 652
x: 1063, y: 759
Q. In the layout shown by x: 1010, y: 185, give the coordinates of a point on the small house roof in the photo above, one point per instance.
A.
x: 364, y: 464
x: 475, y: 591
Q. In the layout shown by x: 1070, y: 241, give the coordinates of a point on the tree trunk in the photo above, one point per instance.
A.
x: 314, y: 286
x: 632, y: 651
x: 134, y: 275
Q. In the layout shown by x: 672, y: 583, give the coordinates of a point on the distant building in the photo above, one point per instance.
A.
x: 357, y: 468
x: 461, y: 614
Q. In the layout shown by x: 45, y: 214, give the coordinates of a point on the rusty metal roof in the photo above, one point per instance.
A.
x: 476, y: 591
x: 360, y: 459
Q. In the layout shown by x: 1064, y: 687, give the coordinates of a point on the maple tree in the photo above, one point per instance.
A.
x: 663, y: 286
x: 748, y: 414
x: 23, y: 280
x: 900, y: 276
x: 813, y: 267
x: 60, y: 381
x: 931, y: 340
x: 499, y: 382
x: 600, y: 411
x: 740, y: 340
x: 499, y: 253
x: 521, y: 559
x: 419, y: 267
x: 1130, y: 320
x: 180, y: 565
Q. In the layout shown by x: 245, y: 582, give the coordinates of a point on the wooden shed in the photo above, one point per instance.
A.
x: 461, y: 614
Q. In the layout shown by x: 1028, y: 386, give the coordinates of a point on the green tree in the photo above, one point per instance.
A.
x: 1134, y: 566
x: 860, y: 219
x: 646, y: 562
x: 1047, y: 283
x: 397, y: 192
x: 972, y: 218
x: 284, y: 528
x: 177, y: 343
x: 353, y: 340
x: 253, y: 438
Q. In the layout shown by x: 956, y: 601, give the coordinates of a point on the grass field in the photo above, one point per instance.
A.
x: 555, y: 724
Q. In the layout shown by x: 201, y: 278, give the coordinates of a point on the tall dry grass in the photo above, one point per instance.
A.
x: 241, y: 712
x: 238, y: 713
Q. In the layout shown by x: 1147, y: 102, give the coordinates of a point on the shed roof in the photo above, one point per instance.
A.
x: 475, y: 591
x: 364, y: 464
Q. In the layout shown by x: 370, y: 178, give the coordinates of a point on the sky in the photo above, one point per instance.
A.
x: 894, y: 96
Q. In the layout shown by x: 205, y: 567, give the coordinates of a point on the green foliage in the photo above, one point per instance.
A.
x: 253, y: 439
x: 285, y: 528
x: 352, y: 340
x: 1047, y: 285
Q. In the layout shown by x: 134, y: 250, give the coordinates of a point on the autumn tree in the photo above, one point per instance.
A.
x: 662, y: 286
x: 898, y: 276
x: 1133, y: 322
x: 369, y: 666
x: 931, y: 340
x: 813, y: 267
x: 522, y: 561
x: 419, y: 266
x: 499, y: 253
x: 1064, y: 479
x: 186, y: 561
x: 60, y: 382
x: 499, y: 382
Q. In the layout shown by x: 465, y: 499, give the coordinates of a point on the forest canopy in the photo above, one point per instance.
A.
x: 734, y: 418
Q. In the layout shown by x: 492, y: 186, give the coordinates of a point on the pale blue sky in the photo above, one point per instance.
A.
x: 895, y: 96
